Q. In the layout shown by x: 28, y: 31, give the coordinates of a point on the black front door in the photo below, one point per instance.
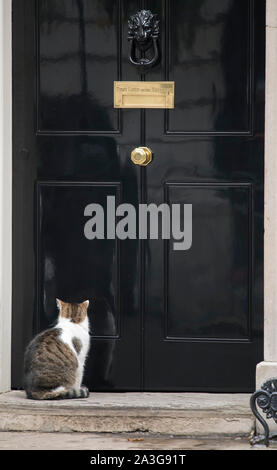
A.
x: 162, y: 319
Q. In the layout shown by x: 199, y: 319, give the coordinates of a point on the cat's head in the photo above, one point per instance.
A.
x: 76, y: 313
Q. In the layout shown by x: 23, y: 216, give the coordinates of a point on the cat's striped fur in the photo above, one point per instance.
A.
x: 54, y: 360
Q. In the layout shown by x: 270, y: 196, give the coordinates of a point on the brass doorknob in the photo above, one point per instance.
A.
x: 141, y: 156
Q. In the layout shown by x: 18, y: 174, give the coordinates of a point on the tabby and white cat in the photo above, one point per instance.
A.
x: 54, y: 360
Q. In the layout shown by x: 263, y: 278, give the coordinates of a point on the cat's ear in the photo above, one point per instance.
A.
x: 59, y: 304
x: 86, y: 303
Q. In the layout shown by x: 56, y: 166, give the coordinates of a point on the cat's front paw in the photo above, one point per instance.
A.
x: 84, y: 391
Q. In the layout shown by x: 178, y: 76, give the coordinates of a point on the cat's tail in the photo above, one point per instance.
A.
x: 60, y: 393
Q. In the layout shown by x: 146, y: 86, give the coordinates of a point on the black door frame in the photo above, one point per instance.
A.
x: 23, y: 78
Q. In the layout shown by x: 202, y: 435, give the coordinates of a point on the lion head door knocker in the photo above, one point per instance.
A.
x: 143, y: 35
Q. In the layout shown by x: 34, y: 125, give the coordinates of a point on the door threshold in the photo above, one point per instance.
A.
x: 186, y: 414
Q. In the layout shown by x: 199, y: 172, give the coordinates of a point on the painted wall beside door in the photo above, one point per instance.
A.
x: 6, y: 193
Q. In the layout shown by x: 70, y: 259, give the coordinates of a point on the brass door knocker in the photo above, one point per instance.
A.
x: 143, y: 35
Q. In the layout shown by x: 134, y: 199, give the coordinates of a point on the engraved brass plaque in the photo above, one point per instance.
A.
x: 144, y: 95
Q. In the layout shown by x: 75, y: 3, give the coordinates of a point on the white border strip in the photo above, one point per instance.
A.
x: 5, y: 192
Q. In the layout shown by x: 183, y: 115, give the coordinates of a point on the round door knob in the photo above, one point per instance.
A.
x: 141, y: 156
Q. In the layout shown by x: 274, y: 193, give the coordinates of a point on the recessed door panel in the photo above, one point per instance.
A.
x: 79, y: 42
x: 209, y: 55
x: 93, y: 269
x: 208, y: 287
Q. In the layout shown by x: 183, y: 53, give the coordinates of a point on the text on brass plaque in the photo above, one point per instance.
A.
x: 144, y: 95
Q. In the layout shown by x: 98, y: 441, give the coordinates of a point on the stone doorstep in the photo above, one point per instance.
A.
x: 186, y: 414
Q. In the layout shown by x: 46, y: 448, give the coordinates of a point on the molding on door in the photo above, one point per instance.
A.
x: 40, y: 129
x: 249, y: 82
x: 89, y: 185
x: 215, y: 186
x: 6, y: 193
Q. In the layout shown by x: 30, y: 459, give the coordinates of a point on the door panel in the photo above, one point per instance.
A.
x: 71, y: 149
x: 161, y: 319
x: 209, y: 55
x: 79, y: 42
x: 203, y: 314
x: 62, y: 248
x: 216, y: 288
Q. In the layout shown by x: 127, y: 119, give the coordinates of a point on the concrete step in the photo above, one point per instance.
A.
x: 187, y: 414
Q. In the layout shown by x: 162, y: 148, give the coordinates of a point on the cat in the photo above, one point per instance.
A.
x: 54, y: 360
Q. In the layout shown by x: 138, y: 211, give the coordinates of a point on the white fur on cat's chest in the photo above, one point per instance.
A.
x: 72, y: 330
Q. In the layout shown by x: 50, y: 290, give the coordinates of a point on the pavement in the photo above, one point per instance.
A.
x: 125, y: 441
x: 128, y: 421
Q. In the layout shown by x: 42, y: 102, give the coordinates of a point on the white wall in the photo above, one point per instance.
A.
x: 5, y: 191
x: 268, y: 368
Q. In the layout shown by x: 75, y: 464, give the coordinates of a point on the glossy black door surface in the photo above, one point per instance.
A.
x: 161, y: 319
